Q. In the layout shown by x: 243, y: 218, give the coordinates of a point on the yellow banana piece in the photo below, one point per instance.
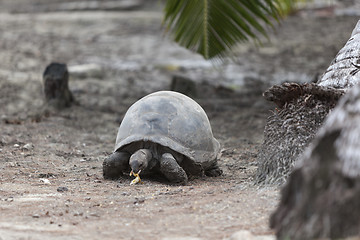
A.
x: 137, y: 179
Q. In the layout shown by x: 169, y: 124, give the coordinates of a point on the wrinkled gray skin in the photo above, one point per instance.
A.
x: 146, y: 158
x: 167, y: 133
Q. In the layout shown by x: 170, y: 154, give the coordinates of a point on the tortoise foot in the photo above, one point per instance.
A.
x: 171, y: 169
x: 115, y: 164
x: 214, y: 171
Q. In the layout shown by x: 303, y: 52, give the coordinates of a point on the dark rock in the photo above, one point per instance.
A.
x: 62, y: 189
x: 139, y: 200
x: 46, y: 175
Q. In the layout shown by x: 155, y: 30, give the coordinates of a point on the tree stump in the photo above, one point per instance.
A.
x: 302, y: 110
x: 290, y: 129
x: 322, y: 196
x: 56, y: 89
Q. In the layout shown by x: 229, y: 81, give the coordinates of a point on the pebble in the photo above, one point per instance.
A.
x: 16, y: 145
x: 46, y: 175
x: 78, y: 214
x: 94, y: 215
x: 139, y: 200
x: 36, y: 216
x: 62, y: 189
x: 247, y: 235
x: 28, y: 146
x: 44, y: 180
x: 12, y: 164
x: 9, y: 199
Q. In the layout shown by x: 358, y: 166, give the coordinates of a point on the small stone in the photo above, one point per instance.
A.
x: 94, y: 215
x: 46, y: 175
x: 36, y: 216
x: 62, y: 189
x: 9, y: 199
x: 11, y: 164
x: 44, y: 180
x: 78, y: 214
x: 16, y: 145
x: 246, y: 235
x: 139, y: 200
x: 28, y: 146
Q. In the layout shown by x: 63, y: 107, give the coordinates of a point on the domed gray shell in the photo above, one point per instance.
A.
x: 173, y: 120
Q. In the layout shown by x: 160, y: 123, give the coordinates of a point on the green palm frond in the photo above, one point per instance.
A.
x: 211, y: 27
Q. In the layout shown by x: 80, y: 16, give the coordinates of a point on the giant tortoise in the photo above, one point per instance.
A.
x: 164, y: 133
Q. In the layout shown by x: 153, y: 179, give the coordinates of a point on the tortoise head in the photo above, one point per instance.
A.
x: 140, y: 160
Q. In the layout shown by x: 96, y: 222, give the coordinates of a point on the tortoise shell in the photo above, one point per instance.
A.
x: 172, y: 120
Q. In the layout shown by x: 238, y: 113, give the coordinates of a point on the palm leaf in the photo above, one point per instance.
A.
x: 211, y: 27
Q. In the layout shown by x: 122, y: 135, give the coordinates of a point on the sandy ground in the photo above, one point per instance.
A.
x: 51, y: 166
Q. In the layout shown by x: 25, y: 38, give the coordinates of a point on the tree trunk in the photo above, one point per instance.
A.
x: 322, y: 196
x: 302, y: 110
x: 56, y: 89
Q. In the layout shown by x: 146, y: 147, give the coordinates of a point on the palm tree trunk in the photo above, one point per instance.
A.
x: 302, y: 110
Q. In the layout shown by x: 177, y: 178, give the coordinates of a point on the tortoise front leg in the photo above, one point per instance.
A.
x: 213, y: 171
x: 172, y: 170
x: 115, y: 164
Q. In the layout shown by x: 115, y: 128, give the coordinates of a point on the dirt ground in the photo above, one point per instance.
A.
x: 51, y: 166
